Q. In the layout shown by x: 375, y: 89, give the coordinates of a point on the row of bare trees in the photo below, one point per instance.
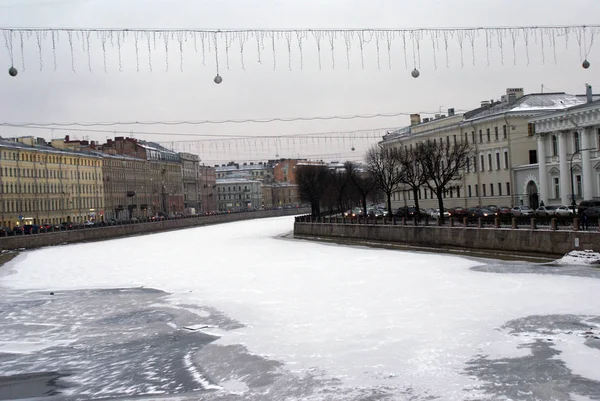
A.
x: 435, y: 165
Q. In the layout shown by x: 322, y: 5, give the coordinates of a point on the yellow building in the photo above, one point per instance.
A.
x: 502, y: 143
x: 41, y: 184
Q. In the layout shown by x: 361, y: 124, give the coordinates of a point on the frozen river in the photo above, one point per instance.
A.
x: 239, y: 312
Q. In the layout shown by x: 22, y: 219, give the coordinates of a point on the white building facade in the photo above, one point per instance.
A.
x: 568, y: 145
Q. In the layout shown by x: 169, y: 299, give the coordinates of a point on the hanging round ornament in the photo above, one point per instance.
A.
x: 12, y: 71
x: 585, y: 64
x: 353, y: 148
x: 415, y: 73
x: 218, y: 79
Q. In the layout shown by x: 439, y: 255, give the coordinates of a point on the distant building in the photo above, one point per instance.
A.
x: 503, y: 142
x: 42, y: 184
x: 285, y: 171
x: 568, y: 154
x: 191, y: 180
x: 208, y: 189
x: 238, y: 194
x: 165, y: 179
x: 285, y: 195
x: 261, y: 171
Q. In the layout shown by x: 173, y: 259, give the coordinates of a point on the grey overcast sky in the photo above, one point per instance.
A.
x: 261, y: 92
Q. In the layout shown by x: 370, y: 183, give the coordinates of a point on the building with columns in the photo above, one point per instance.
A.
x: 502, y: 166
x: 568, y: 146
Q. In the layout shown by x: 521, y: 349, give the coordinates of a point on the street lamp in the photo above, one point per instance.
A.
x: 573, y: 203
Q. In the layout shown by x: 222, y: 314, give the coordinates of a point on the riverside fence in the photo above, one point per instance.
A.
x: 523, y: 235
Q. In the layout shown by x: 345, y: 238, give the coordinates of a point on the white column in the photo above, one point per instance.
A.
x: 565, y: 182
x: 542, y: 169
x: 586, y: 165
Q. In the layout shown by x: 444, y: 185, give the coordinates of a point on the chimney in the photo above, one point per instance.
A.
x: 450, y: 112
x: 67, y: 138
x: 518, y: 92
x: 485, y: 104
x: 415, y: 119
x: 588, y: 93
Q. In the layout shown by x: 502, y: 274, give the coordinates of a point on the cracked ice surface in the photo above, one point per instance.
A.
x: 307, y: 320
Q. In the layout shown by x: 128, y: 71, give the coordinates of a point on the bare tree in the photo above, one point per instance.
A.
x: 384, y: 167
x: 362, y: 181
x: 442, y: 164
x: 341, y: 187
x: 411, y: 172
x: 312, y: 183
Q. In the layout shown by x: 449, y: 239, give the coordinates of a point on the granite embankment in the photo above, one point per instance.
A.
x: 507, y: 240
x: 102, y: 233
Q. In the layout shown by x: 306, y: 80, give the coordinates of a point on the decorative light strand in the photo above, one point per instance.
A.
x: 297, y: 42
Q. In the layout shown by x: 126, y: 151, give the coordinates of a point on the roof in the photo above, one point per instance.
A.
x: 45, y: 148
x: 533, y: 103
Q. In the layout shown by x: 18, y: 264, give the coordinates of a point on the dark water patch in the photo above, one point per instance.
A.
x: 541, y: 375
x: 32, y: 385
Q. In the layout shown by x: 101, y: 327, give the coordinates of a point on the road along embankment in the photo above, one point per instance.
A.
x: 102, y: 233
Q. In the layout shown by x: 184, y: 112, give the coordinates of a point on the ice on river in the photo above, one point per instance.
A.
x: 395, y: 323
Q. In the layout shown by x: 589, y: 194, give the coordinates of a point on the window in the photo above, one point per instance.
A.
x: 499, y: 189
x: 554, y: 145
x: 533, y: 156
x: 508, y: 188
x: 473, y: 136
x: 476, y: 190
x: 506, y: 159
x: 482, y: 163
x: 480, y: 136
x: 455, y: 139
x: 497, y: 160
x: 556, y: 186
x: 474, y: 164
x: 468, y: 164
x: 496, y: 133
x: 487, y: 133
x: 576, y: 141
x: 483, y: 189
x: 490, y: 161
x: 598, y: 138
x: 491, y: 189
x: 457, y: 191
x: 578, y: 184
x: 504, y: 132
x: 467, y: 138
x: 448, y: 140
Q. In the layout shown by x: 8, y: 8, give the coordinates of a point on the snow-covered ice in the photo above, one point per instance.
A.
x: 577, y: 257
x: 360, y: 320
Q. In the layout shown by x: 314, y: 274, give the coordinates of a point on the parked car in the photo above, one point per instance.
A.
x: 88, y: 224
x: 487, y: 213
x: 564, y: 211
x: 375, y: 213
x: 583, y: 205
x: 18, y: 230
x: 45, y: 227
x: 407, y: 211
x: 436, y: 214
x: 31, y: 229
x: 545, y: 211
x: 5, y: 231
x: 522, y: 211
x: 65, y: 225
x: 458, y: 212
x: 592, y: 212
x: 504, y: 212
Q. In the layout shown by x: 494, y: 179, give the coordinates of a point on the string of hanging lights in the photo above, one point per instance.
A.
x: 410, y: 43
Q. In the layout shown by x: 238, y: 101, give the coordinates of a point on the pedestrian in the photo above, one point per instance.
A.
x: 585, y: 221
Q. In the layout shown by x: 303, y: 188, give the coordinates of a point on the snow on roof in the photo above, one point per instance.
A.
x: 533, y: 103
x: 44, y: 148
x: 234, y: 180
